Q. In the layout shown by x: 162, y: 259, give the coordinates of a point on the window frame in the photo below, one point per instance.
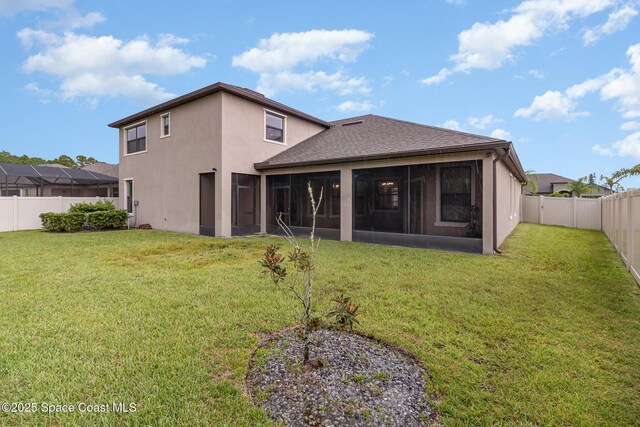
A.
x: 126, y: 196
x: 284, y: 127
x: 125, y: 138
x: 332, y: 198
x: 162, y: 117
x: 439, y: 222
x: 377, y: 194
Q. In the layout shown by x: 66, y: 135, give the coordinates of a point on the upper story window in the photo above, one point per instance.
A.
x: 274, y: 127
x: 136, y: 138
x: 165, y: 125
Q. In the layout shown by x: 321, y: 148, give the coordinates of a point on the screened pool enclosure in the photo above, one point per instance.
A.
x: 51, y: 181
x: 435, y: 205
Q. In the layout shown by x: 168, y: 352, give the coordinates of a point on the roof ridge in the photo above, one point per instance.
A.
x: 474, y: 135
x: 248, y: 94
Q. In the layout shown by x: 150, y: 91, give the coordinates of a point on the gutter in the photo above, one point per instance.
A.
x: 507, y: 151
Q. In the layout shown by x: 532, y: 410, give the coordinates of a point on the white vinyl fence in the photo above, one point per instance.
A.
x: 570, y: 212
x: 23, y: 213
x: 621, y: 224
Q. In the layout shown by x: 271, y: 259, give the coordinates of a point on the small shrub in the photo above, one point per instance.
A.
x: 73, y: 221
x: 107, y: 220
x: 100, y: 205
x: 52, y: 221
x: 60, y: 222
x: 558, y: 194
x: 345, y: 312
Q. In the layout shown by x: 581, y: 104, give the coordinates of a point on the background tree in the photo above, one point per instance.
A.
x: 83, y: 161
x: 579, y: 187
x: 64, y: 160
x: 532, y: 181
x: 613, y: 182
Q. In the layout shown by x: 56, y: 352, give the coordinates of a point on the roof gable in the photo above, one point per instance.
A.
x: 209, y: 90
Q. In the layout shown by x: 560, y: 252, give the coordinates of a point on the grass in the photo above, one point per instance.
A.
x: 548, y: 333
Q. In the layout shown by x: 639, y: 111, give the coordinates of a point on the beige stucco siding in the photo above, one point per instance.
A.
x: 220, y: 131
x: 166, y: 176
x: 508, y: 203
x: 243, y: 145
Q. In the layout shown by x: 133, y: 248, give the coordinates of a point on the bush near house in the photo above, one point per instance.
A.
x: 107, y: 220
x: 62, y: 222
x: 101, y: 215
x: 99, y: 206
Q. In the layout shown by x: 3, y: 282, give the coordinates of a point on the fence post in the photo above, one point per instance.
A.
x: 15, y: 213
x: 575, y: 204
x: 61, y: 204
x: 540, y: 210
x: 629, y: 230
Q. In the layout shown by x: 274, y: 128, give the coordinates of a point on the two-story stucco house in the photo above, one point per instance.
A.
x: 226, y: 161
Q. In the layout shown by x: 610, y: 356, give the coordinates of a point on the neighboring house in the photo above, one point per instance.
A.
x: 551, y: 183
x: 226, y: 161
x: 55, y: 180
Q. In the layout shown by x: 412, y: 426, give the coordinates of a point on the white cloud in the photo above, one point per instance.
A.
x: 104, y: 66
x: 552, y: 105
x: 556, y: 105
x: 536, y: 74
x: 604, y: 151
x: 489, y: 46
x: 618, y: 21
x: 630, y: 126
x: 629, y: 146
x: 67, y: 17
x: 270, y: 84
x: 352, y: 106
x: 452, y: 124
x: 44, y: 95
x: 482, y: 122
x: 73, y: 20
x: 455, y: 2
x: 278, y: 58
x: 501, y: 134
x: 625, y: 87
x: 11, y: 7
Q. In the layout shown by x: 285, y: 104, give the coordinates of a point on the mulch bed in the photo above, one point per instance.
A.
x: 351, y: 380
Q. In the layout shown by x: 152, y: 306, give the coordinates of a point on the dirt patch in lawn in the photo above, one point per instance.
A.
x: 351, y: 380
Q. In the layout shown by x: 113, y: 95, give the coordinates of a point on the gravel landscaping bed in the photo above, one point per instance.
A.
x: 351, y: 380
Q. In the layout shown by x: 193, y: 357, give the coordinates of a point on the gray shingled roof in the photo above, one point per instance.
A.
x: 375, y: 137
x: 545, y: 181
x: 211, y: 89
x: 109, y: 169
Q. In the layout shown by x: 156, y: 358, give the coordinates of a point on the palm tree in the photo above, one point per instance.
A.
x: 532, y: 181
x: 579, y: 187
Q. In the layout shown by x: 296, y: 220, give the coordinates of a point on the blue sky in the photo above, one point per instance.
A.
x: 561, y: 79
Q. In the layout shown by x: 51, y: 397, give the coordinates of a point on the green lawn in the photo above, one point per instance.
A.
x: 548, y: 333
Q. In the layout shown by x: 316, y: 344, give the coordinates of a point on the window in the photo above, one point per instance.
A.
x: 335, y: 197
x: 455, y: 194
x: 165, y: 125
x: 136, y: 138
x: 388, y: 196
x: 274, y: 127
x: 128, y: 190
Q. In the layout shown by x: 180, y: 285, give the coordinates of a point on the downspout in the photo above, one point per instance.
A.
x: 507, y: 151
